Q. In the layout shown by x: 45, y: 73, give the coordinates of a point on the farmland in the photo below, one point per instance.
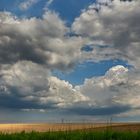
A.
x: 12, y: 128
x: 114, y: 131
x: 40, y: 127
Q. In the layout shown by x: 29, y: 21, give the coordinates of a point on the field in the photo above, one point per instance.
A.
x: 116, y: 131
x: 14, y: 128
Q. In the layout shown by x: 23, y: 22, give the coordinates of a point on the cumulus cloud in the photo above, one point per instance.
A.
x: 116, y: 25
x: 22, y: 82
x: 102, y: 89
x: 113, y: 29
x: 25, y: 5
x: 30, y: 48
x: 48, y: 42
x: 26, y: 85
x: 65, y: 93
x: 42, y: 41
x: 114, y: 93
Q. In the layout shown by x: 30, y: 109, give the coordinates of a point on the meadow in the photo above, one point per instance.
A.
x: 73, y: 135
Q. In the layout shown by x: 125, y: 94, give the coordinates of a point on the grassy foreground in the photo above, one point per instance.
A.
x: 73, y: 135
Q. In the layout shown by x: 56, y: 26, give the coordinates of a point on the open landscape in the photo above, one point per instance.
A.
x: 69, y: 69
x: 50, y: 127
x: 114, y: 131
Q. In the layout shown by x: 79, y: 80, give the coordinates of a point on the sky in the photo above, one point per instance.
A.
x: 74, y: 60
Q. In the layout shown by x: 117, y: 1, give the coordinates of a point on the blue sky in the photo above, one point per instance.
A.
x: 49, y: 67
x: 88, y: 70
x: 68, y: 10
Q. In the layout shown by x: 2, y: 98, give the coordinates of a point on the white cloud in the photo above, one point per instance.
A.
x: 34, y: 110
x: 48, y: 42
x: 31, y: 48
x: 25, y: 5
x: 131, y: 113
x: 26, y: 76
x: 34, y: 87
x: 119, y: 87
x: 49, y: 2
x: 104, y: 2
x: 44, y: 39
x: 65, y: 93
x: 29, y: 86
x: 115, y: 25
x: 102, y: 90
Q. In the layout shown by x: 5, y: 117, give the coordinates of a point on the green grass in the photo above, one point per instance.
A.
x: 73, y: 135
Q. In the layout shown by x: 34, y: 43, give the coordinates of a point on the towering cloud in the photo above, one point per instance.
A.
x: 114, y: 93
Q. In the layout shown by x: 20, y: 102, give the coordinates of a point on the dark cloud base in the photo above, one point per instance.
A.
x: 103, y: 111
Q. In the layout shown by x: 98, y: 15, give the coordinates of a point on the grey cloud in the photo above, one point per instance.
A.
x: 26, y: 85
x: 16, y: 103
x: 31, y: 48
x: 100, y: 111
x: 41, y: 41
x: 118, y: 88
x: 46, y: 41
x: 115, y: 25
x: 29, y: 86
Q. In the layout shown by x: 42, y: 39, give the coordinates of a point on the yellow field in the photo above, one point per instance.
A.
x: 44, y: 127
x: 12, y: 128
